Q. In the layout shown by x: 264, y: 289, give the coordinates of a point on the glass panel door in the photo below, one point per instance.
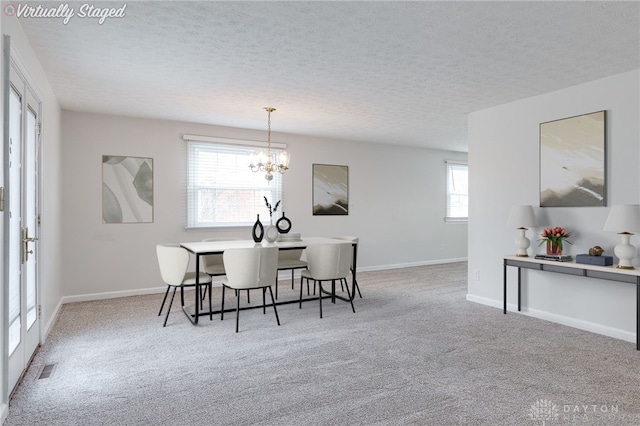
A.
x: 30, y: 214
x: 15, y: 182
x: 24, y: 192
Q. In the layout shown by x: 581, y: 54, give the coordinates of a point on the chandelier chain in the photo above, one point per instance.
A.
x: 269, y: 111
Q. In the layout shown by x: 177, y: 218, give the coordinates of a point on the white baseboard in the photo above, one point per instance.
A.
x: 4, y: 412
x: 412, y: 264
x: 616, y: 333
x: 52, y: 320
x: 286, y: 276
x: 112, y: 294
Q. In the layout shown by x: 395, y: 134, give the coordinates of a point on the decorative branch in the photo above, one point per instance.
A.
x: 271, y: 210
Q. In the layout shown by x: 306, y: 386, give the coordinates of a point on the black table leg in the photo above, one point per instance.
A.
x: 519, y: 288
x: 504, y: 287
x: 638, y: 313
x: 197, y: 307
x: 354, y: 283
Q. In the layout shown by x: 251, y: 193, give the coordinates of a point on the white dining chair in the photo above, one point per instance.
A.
x: 214, y: 265
x: 354, y: 241
x: 328, y: 262
x: 248, y: 269
x: 173, y: 261
x: 290, y: 259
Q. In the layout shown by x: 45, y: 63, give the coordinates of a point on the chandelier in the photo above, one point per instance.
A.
x: 268, y: 162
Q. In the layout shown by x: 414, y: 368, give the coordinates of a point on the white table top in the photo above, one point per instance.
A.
x: 574, y: 264
x: 215, y: 247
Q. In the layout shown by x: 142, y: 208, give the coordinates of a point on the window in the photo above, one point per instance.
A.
x: 457, y: 203
x: 221, y: 189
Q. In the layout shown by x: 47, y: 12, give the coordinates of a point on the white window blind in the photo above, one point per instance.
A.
x: 457, y: 202
x: 222, y: 191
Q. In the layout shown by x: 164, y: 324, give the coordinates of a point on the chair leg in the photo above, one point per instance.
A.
x: 349, y: 294
x: 357, y: 286
x: 301, y: 280
x: 319, y: 294
x: 203, y: 294
x: 210, y: 304
x: 273, y: 303
x: 238, y: 310
x: 170, y: 303
x: 291, y: 284
x: 333, y: 290
x: 300, y: 301
x: 248, y: 300
x: 222, y: 305
x: 165, y: 299
x: 276, y: 285
x: 264, y: 302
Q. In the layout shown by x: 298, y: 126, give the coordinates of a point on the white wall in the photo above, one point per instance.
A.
x: 50, y: 259
x: 504, y: 171
x: 396, y: 197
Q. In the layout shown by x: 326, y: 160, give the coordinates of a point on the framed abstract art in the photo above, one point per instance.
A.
x: 330, y: 189
x: 127, y: 189
x: 572, y: 161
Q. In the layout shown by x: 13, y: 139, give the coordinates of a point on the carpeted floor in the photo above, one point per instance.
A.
x: 415, y: 352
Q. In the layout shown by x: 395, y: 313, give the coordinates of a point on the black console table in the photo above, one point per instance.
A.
x: 611, y: 273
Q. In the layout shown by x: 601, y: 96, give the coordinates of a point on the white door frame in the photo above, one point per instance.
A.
x: 30, y: 338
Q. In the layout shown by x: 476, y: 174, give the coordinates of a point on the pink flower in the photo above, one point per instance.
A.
x: 555, y: 234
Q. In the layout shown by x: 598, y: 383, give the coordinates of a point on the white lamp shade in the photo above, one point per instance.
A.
x: 623, y: 218
x: 522, y: 217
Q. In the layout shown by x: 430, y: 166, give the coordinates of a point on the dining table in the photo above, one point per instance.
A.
x: 203, y: 248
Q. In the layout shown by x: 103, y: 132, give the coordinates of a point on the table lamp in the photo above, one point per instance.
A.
x: 522, y: 217
x: 622, y: 219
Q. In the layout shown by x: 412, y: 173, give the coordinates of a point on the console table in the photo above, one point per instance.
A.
x: 611, y: 273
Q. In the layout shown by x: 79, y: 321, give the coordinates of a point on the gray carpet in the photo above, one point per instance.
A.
x: 415, y: 352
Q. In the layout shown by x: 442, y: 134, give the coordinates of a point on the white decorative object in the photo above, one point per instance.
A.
x: 271, y: 233
x: 522, y: 217
x: 622, y: 219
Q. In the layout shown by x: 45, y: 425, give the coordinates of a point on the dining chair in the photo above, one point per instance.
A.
x: 328, y: 262
x: 249, y: 269
x: 354, y: 241
x: 173, y: 261
x: 290, y: 259
x: 214, y: 265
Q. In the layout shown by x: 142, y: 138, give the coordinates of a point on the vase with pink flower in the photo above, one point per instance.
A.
x: 554, y: 238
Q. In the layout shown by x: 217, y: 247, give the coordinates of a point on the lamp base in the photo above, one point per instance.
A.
x: 625, y: 252
x: 522, y: 243
x: 625, y: 267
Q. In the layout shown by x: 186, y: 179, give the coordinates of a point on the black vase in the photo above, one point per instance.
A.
x: 283, y: 224
x: 258, y: 230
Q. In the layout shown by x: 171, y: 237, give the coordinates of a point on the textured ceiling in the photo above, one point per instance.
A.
x: 390, y: 72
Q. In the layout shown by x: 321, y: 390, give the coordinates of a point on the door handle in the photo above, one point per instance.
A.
x: 25, y: 241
